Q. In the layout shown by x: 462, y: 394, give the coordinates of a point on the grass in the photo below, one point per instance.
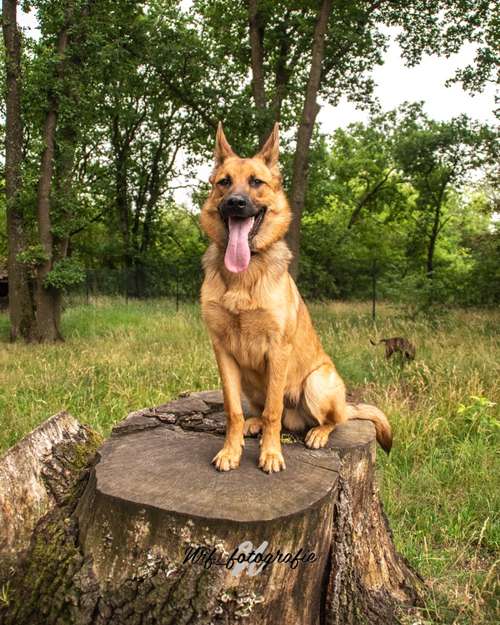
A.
x: 440, y: 485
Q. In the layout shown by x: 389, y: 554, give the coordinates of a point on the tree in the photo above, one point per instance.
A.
x: 62, y: 90
x: 357, y: 211
x: 361, y: 171
x: 436, y: 157
x: 376, y: 200
x: 34, y: 288
x: 102, y: 105
x: 301, y: 54
x: 143, y: 128
x: 298, y: 53
x: 20, y: 309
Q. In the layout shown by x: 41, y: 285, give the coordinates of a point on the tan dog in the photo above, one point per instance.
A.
x: 262, y: 334
x: 397, y: 345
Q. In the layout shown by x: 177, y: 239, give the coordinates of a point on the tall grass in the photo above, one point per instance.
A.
x: 440, y: 485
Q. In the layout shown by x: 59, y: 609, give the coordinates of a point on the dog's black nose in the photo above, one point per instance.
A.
x: 236, y: 202
x: 237, y: 205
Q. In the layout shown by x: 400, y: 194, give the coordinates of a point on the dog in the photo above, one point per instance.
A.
x: 262, y: 335
x: 397, y: 345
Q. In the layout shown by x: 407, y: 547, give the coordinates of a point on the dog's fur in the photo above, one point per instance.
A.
x: 397, y: 345
x: 261, y: 331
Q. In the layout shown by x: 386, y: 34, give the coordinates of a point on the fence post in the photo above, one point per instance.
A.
x: 87, y: 287
x: 176, y: 288
x: 374, y: 289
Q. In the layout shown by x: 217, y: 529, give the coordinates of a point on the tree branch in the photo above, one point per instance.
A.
x: 367, y: 196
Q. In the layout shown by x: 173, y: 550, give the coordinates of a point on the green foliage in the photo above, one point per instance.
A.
x: 353, y: 47
x: 355, y: 40
x: 396, y: 205
x: 479, y: 417
x: 33, y: 256
x: 65, y: 273
x: 483, y: 244
x: 139, y: 92
x: 442, y: 27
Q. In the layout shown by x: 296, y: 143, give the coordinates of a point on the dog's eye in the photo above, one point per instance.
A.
x: 256, y: 182
x: 224, y: 182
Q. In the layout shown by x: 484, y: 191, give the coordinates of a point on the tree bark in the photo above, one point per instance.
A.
x: 35, y: 477
x: 47, y: 323
x: 270, y: 113
x: 154, y: 536
x: 48, y: 308
x: 304, y: 134
x: 65, y: 161
x: 153, y: 188
x: 20, y: 298
x: 121, y: 147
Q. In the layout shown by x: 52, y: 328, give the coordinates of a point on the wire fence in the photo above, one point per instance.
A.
x: 180, y: 281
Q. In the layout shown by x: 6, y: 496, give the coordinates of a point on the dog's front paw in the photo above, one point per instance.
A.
x: 271, y: 461
x: 318, y: 437
x: 252, y: 426
x: 227, y: 459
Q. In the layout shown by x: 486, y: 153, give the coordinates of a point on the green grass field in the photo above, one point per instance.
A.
x: 440, y: 485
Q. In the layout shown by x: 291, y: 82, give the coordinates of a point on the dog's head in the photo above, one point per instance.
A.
x: 247, y: 210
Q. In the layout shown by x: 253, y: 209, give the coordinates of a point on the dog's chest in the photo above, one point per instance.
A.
x: 245, y: 334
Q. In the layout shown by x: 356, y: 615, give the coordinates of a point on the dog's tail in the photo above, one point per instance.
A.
x: 375, y: 342
x: 377, y: 417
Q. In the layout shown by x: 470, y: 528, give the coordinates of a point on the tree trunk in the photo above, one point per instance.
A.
x: 122, y: 203
x: 432, y: 241
x: 65, y: 199
x: 20, y: 298
x: 304, y: 135
x: 46, y: 316
x: 267, y: 115
x: 159, y: 536
x: 36, y: 475
x: 48, y: 308
x: 153, y: 191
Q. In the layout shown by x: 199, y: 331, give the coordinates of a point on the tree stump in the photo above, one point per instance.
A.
x: 158, y: 536
x: 36, y: 476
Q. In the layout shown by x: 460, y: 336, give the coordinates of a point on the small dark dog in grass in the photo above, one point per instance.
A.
x: 397, y: 345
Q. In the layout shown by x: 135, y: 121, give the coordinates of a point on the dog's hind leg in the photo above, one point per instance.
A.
x: 293, y: 420
x: 255, y: 399
x: 253, y: 426
x: 325, y: 399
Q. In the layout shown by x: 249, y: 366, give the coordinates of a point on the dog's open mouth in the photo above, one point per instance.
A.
x: 241, y: 231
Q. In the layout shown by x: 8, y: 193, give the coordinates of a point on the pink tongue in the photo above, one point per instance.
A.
x: 237, y: 256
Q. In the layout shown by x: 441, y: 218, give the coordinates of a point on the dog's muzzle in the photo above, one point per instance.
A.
x: 242, y: 220
x: 239, y: 206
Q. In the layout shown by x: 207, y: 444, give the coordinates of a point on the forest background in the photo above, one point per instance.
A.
x: 109, y: 116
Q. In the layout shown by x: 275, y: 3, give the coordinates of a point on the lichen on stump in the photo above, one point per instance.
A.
x: 124, y: 550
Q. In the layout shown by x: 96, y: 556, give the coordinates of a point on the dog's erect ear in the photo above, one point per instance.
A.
x: 222, y: 148
x: 271, y: 149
